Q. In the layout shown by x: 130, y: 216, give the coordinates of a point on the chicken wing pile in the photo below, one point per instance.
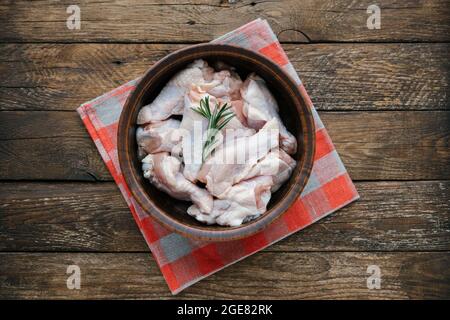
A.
x: 251, y: 157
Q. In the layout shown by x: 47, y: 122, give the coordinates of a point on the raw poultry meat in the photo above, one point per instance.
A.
x: 250, y: 155
x: 225, y: 84
x: 260, y: 106
x: 163, y: 171
x: 243, y: 202
x: 158, y: 136
x: 193, y: 127
x: 236, y: 128
x: 170, y: 100
x: 278, y: 164
x: 238, y: 108
x: 232, y: 162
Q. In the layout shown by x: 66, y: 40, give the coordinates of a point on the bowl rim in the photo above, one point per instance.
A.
x: 201, y: 232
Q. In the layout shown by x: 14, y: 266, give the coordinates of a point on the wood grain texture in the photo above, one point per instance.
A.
x: 266, y: 275
x: 203, y: 20
x: 408, y: 76
x: 409, y: 145
x: 378, y: 80
x: 390, y: 216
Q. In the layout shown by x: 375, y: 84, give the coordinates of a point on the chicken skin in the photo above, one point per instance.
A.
x: 170, y: 101
x: 158, y: 136
x: 278, y: 164
x: 260, y: 106
x: 243, y: 202
x: 229, y: 179
x: 163, y: 171
x: 233, y: 161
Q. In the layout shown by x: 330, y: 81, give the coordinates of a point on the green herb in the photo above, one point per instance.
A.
x: 217, y: 120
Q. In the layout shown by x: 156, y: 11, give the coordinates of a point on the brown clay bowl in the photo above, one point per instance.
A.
x: 294, y: 112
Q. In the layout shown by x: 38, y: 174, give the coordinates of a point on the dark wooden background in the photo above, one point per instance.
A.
x: 383, y: 95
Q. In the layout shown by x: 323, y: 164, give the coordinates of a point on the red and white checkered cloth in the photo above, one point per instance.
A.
x: 184, y: 261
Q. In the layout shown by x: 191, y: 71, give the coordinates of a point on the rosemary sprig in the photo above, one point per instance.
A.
x: 217, y: 120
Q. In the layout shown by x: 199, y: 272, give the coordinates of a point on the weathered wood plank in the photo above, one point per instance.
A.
x: 160, y: 21
x: 337, y: 76
x: 63, y: 158
x: 262, y: 276
x: 373, y: 145
x: 392, y: 145
x: 406, y: 216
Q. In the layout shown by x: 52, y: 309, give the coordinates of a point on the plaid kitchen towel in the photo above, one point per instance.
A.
x: 184, y: 261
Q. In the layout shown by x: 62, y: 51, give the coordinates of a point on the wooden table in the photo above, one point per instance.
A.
x: 383, y: 94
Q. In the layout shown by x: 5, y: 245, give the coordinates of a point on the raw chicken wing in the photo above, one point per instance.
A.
x: 225, y: 84
x: 193, y: 127
x: 232, y: 161
x: 278, y: 164
x: 260, y: 106
x: 158, y: 136
x: 170, y: 101
x: 242, y: 202
x: 163, y: 171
